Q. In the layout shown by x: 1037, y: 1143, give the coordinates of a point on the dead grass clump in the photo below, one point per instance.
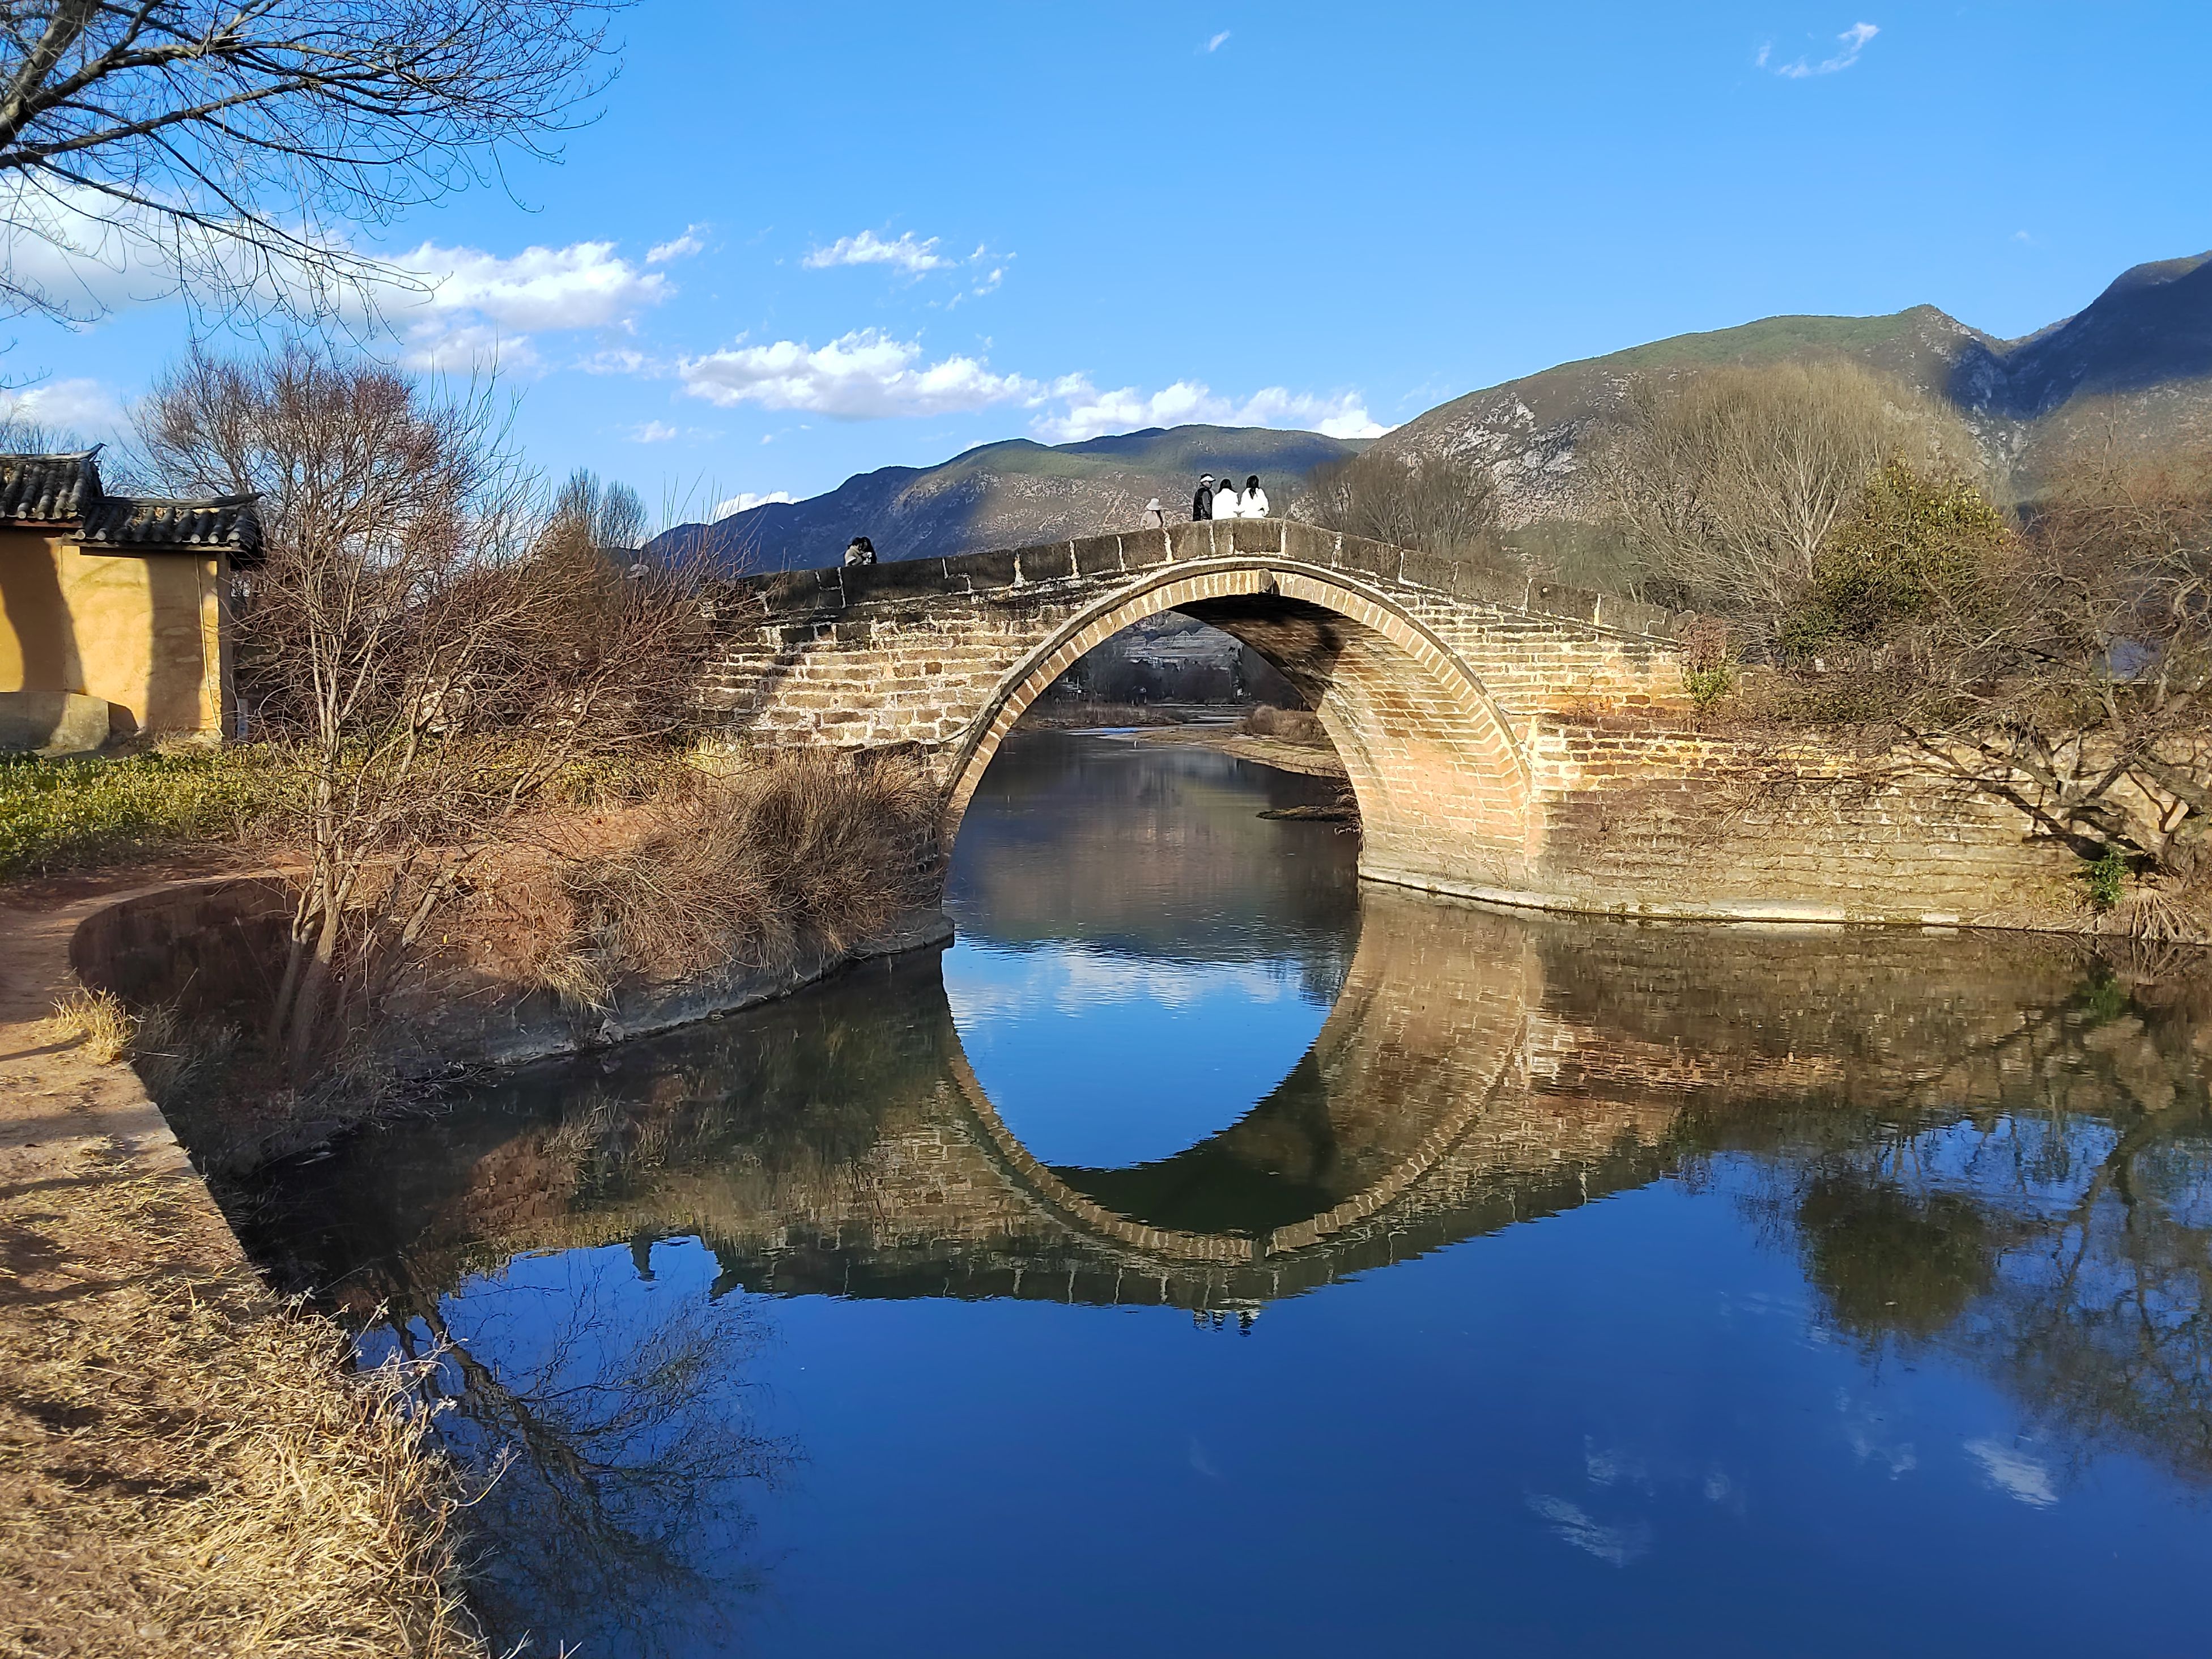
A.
x: 185, y: 1468
x: 101, y: 1020
x: 745, y: 870
x: 1299, y: 726
x: 327, y: 1530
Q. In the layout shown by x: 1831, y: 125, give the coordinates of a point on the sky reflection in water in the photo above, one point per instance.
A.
x: 1208, y: 1261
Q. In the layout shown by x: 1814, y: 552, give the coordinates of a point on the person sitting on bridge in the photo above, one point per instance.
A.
x: 1202, y: 504
x: 1253, y: 504
x: 859, y: 550
x: 1156, y: 516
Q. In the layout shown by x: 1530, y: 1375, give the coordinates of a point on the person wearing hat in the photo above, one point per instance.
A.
x: 1201, y: 505
x: 1156, y: 516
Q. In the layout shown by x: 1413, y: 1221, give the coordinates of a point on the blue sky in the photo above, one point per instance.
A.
x: 803, y: 241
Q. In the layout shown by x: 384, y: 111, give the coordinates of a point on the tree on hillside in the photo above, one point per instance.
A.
x: 610, y: 517
x: 1444, y: 504
x: 230, y: 146
x: 425, y: 646
x: 1727, y: 485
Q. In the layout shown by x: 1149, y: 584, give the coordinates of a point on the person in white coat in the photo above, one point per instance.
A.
x: 1253, y: 503
x: 1227, y: 503
x: 1155, y: 518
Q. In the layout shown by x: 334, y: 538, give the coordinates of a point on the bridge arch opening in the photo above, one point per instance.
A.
x: 1442, y: 784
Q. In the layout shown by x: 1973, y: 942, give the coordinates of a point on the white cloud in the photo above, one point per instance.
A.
x: 744, y: 501
x: 478, y: 306
x: 583, y: 285
x: 2013, y: 1472
x: 1214, y: 44
x: 1088, y: 411
x: 861, y: 376
x: 909, y: 255
x: 81, y: 408
x: 1852, y: 41
x: 1618, y: 1546
x: 678, y: 247
x: 654, y: 432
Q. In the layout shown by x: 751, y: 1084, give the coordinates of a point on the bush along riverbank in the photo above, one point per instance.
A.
x: 700, y: 886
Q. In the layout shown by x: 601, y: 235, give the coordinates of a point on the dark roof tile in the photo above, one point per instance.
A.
x: 61, y: 490
x: 48, y: 489
x: 228, y: 521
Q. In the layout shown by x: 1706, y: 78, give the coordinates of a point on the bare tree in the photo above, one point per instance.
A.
x: 233, y: 143
x: 1727, y: 485
x: 609, y: 517
x: 1439, y: 504
x: 421, y: 648
x: 2080, y: 689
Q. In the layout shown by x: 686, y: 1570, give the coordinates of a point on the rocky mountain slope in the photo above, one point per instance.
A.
x: 1007, y: 494
x: 2137, y: 359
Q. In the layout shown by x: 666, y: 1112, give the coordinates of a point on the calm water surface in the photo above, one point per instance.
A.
x: 1204, y: 1256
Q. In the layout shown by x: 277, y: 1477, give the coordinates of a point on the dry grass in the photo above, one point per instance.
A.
x: 186, y: 1469
x: 738, y: 870
x: 101, y: 1020
x: 1299, y: 725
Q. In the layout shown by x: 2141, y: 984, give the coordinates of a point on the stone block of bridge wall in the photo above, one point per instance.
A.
x: 1508, y: 739
x: 1639, y: 817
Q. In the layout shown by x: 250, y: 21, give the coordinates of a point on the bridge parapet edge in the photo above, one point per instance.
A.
x: 1106, y: 558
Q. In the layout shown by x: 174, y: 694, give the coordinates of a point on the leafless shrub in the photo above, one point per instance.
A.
x: 1444, y: 504
x: 743, y: 870
x: 429, y: 648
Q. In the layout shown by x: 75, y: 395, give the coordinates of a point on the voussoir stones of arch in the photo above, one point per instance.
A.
x: 1506, y: 740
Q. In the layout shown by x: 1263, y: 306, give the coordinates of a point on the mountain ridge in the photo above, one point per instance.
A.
x: 2135, y: 360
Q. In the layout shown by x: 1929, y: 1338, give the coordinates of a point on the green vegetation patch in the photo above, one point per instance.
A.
x: 69, y: 814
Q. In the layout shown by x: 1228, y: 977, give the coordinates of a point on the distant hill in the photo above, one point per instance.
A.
x: 2138, y: 359
x: 1008, y: 494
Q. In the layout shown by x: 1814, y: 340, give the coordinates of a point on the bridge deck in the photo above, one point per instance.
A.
x: 1100, y: 558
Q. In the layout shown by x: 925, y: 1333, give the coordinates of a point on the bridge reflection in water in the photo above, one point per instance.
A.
x: 1988, y: 1155
x: 1478, y: 1069
x: 1976, y: 1148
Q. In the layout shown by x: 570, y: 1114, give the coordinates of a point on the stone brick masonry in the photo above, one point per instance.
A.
x: 1506, y: 740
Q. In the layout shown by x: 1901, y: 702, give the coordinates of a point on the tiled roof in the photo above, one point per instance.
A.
x: 228, y: 521
x: 48, y: 489
x: 64, y: 489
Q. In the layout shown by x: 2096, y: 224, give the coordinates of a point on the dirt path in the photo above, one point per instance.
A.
x: 175, y: 1452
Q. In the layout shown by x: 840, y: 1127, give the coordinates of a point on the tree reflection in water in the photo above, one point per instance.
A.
x: 610, y: 1436
x: 2058, y: 1239
x: 1990, y: 1154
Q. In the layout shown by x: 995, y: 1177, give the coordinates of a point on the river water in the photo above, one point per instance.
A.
x: 1205, y: 1256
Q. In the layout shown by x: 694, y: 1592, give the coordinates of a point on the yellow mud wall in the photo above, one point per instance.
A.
x: 145, y: 632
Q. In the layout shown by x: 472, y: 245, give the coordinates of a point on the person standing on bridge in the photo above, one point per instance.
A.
x: 1254, y: 502
x: 1155, y: 517
x: 1202, y: 504
x: 1226, y: 505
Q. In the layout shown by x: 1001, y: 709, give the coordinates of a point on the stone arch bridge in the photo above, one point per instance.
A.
x: 1506, y: 741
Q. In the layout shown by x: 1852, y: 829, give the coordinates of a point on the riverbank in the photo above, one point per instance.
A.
x: 1284, y: 756
x: 186, y: 1466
